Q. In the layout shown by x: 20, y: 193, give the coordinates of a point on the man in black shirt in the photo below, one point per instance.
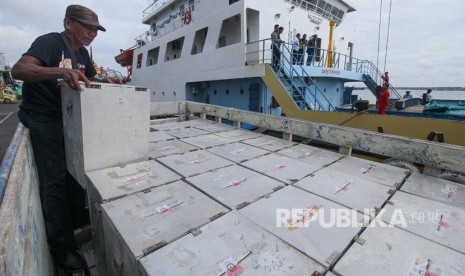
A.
x: 51, y: 57
x: 276, y: 44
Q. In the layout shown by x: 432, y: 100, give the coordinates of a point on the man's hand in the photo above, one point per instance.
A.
x: 73, y: 76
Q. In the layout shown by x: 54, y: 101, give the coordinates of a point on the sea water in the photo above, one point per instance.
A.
x: 437, y: 95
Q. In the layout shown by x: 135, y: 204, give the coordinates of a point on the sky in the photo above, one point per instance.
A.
x: 425, y: 46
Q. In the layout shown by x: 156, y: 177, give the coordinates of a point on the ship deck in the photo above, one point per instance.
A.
x: 215, y: 199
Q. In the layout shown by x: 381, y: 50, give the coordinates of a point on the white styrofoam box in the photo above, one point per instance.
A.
x: 387, y: 251
x: 104, y: 126
x: 351, y: 191
x: 156, y: 136
x: 170, y: 147
x: 186, y: 132
x: 238, y: 152
x: 120, y: 181
x: 281, y: 167
x: 116, y: 182
x: 195, y: 162
x: 229, y: 245
x: 238, y: 134
x: 311, y: 155
x: 207, y: 141
x: 167, y: 125
x: 305, y: 221
x: 139, y: 224
x: 214, y: 127
x: 373, y: 171
x: 433, y: 220
x: 182, y: 124
x: 269, y: 143
x: 437, y: 189
x: 235, y: 186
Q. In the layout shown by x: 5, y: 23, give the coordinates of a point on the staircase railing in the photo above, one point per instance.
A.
x: 299, y: 85
x: 304, y: 90
x: 372, y: 74
x: 260, y: 52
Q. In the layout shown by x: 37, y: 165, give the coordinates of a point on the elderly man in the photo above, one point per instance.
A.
x: 51, y: 57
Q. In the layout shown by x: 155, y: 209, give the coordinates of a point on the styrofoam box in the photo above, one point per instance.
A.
x: 387, y: 251
x: 311, y: 155
x: 433, y: 220
x: 116, y: 182
x: 229, y: 244
x: 372, y: 171
x: 137, y: 225
x: 104, y: 126
x: 346, y: 189
x: 283, y: 168
x: 437, y: 189
x: 303, y: 220
x: 235, y: 186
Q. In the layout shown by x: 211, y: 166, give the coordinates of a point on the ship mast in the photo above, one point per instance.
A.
x: 329, y: 56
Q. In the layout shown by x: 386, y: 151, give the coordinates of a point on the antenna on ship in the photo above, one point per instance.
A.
x: 379, y: 32
x: 387, y: 38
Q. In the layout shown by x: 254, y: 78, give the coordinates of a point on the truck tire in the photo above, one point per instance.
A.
x: 452, y: 176
x: 7, y: 101
x: 401, y: 164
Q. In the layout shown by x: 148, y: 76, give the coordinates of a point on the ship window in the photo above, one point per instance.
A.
x: 139, y: 60
x: 233, y: 1
x: 152, y: 56
x: 230, y: 31
x: 328, y: 8
x: 174, y: 49
x: 320, y: 7
x: 191, y: 4
x: 199, y: 41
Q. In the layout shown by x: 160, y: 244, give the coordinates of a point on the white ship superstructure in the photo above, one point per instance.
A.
x: 217, y: 52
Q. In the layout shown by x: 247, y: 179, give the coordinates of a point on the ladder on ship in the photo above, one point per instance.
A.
x: 372, y: 78
x: 299, y: 85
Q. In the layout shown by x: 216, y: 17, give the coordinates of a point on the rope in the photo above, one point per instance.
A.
x: 387, y: 39
x: 379, y: 33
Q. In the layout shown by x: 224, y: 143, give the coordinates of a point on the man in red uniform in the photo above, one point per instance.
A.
x: 383, y: 99
x: 386, y: 78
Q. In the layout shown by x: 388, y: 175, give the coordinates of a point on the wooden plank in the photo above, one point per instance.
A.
x: 428, y: 153
x: 23, y: 246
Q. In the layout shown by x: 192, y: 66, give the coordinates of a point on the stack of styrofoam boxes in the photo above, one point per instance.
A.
x: 141, y: 223
x: 105, y: 125
x: 112, y: 184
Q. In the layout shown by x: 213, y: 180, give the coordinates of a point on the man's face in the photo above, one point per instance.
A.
x: 82, y: 33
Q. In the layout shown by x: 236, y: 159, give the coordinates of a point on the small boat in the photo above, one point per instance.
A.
x: 125, y: 57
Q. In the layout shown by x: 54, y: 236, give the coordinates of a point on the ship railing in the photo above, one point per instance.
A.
x: 175, y: 23
x: 367, y: 67
x: 155, y: 5
x: 260, y: 52
x: 302, y: 82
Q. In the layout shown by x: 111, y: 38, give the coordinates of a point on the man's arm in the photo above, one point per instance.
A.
x: 31, y: 69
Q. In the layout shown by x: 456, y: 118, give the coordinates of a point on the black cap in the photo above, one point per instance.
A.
x: 83, y: 15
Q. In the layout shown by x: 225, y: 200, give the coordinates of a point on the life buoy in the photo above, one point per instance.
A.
x: 186, y: 17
